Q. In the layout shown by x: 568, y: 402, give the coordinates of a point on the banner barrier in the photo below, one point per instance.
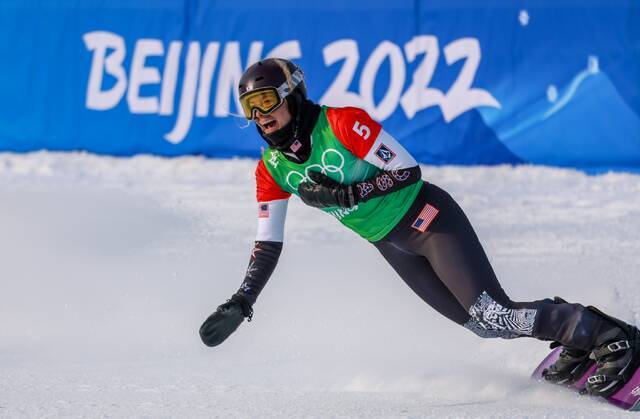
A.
x: 456, y: 81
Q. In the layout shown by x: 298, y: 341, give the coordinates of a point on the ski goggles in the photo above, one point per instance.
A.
x: 268, y: 99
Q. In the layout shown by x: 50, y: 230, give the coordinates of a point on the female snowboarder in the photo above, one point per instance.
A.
x: 343, y: 162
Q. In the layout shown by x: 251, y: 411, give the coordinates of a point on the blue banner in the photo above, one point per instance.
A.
x: 456, y: 81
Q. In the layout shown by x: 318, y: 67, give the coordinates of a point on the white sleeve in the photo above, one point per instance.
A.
x: 388, y: 154
x: 271, y: 216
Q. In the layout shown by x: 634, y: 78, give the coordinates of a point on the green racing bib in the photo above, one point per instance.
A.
x: 372, y: 219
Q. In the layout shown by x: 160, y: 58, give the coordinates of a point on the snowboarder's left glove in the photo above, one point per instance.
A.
x: 326, y: 192
x: 226, y: 319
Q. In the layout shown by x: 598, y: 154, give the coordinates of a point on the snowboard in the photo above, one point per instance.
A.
x: 627, y: 398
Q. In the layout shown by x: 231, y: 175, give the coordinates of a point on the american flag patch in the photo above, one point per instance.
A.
x: 425, y: 218
x: 296, y: 146
x: 263, y: 210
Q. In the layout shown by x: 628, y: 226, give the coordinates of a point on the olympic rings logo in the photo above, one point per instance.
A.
x: 327, y: 166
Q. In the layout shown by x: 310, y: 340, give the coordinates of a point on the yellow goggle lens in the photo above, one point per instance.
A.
x: 264, y: 100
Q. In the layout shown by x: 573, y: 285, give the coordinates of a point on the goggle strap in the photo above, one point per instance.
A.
x: 296, y: 78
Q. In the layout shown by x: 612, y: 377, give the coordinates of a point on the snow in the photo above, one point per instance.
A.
x: 110, y: 265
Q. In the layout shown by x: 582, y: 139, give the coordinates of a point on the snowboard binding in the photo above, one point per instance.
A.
x: 616, y: 359
x: 571, y: 365
x: 609, y: 371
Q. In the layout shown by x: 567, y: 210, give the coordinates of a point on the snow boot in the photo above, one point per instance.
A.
x: 572, y: 363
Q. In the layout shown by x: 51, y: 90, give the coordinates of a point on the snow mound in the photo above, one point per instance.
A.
x: 110, y: 265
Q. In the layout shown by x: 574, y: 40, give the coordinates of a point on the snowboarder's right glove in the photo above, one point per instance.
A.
x: 226, y: 319
x: 324, y: 192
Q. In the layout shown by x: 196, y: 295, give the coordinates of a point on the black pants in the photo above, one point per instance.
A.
x: 448, y: 268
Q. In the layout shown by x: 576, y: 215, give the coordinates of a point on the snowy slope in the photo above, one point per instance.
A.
x: 110, y: 265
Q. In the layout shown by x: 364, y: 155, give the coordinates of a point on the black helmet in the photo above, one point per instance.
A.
x: 275, y: 79
x: 275, y: 73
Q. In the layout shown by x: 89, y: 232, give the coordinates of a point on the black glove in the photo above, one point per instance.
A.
x: 225, y: 320
x: 326, y: 192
